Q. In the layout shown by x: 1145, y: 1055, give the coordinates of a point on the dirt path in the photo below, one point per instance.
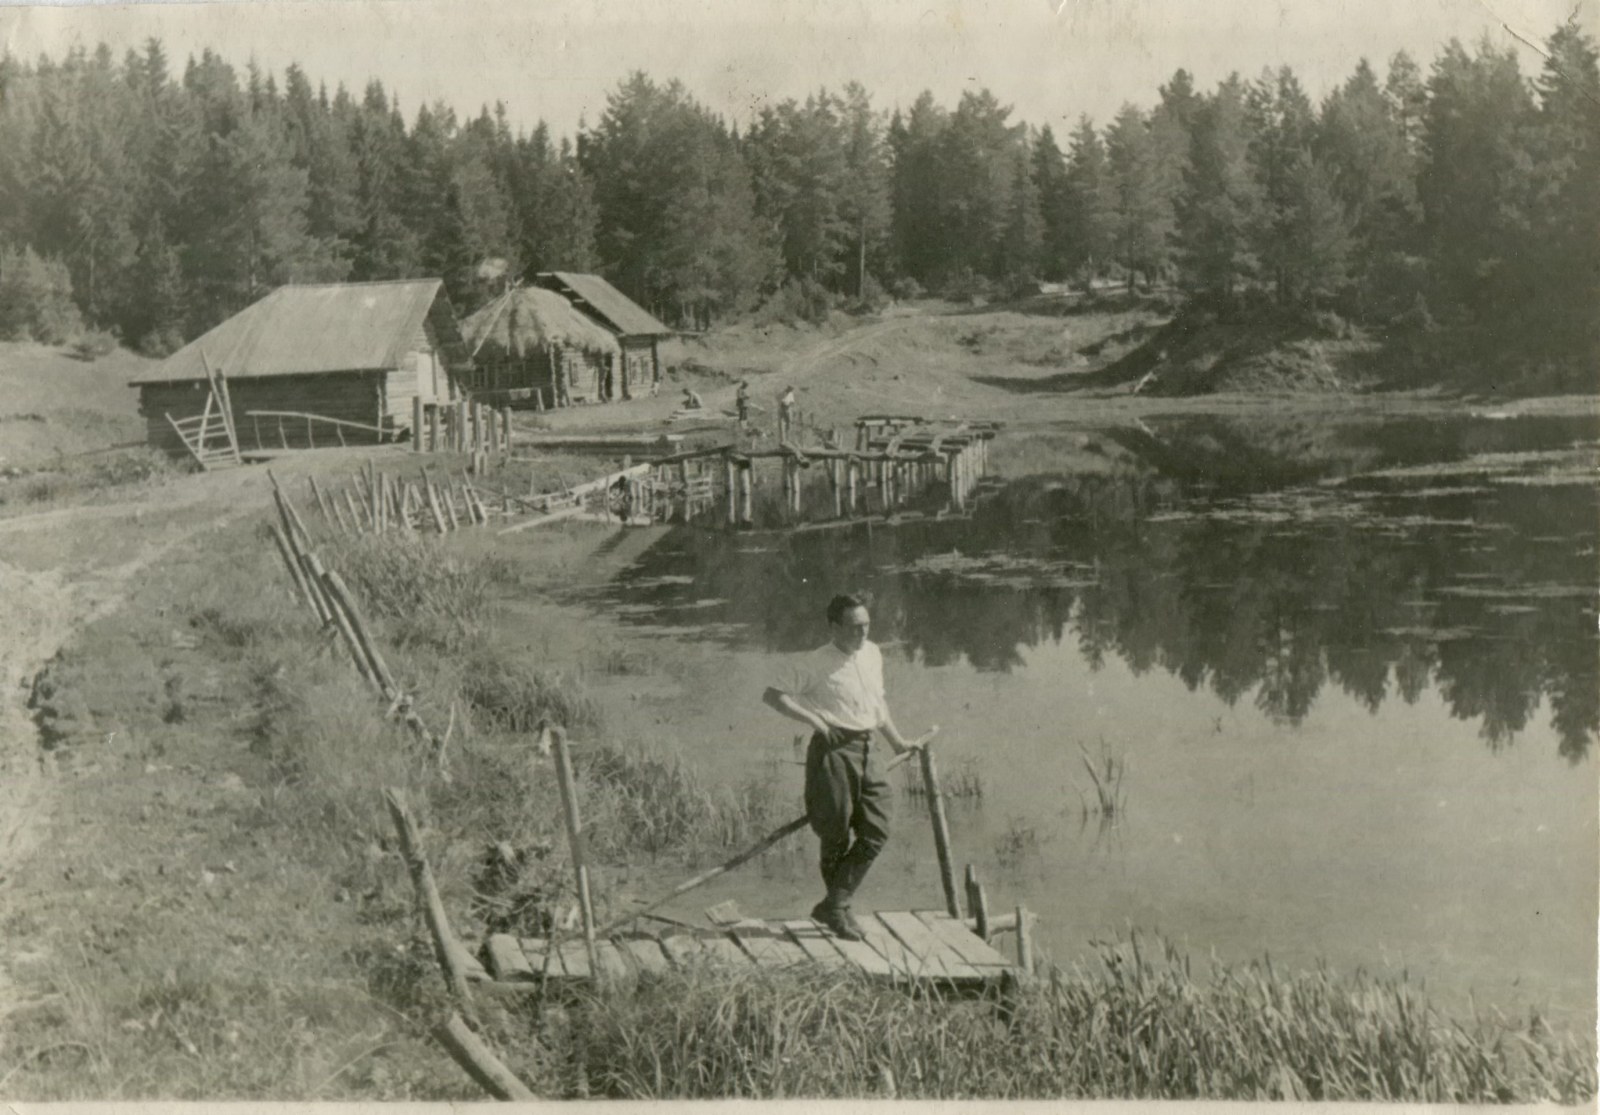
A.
x: 41, y: 610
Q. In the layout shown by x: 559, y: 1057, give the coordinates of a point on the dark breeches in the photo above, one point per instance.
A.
x: 847, y: 804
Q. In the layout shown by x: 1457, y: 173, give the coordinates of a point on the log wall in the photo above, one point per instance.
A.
x: 352, y: 396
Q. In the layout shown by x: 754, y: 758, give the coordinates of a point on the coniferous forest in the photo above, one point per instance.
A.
x: 146, y: 201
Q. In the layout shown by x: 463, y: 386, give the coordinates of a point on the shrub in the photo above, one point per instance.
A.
x: 904, y: 287
x: 36, y: 299
x: 92, y: 344
x: 968, y: 286
x: 797, y: 300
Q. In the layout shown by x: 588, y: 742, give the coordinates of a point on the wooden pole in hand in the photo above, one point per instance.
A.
x: 580, y: 868
x: 941, y: 831
x: 749, y: 853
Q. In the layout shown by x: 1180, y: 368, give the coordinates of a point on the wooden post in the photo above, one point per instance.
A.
x: 380, y: 669
x: 505, y: 429
x: 450, y: 506
x: 433, y: 503
x: 683, y: 482
x: 852, y: 469
x: 834, y: 469
x: 322, y: 506
x: 416, y: 424
x: 731, y: 484
x: 941, y: 831
x: 355, y: 511
x: 580, y: 868
x: 342, y: 622
x: 977, y: 902
x: 433, y: 428
x: 746, y: 496
x: 451, y: 955
x: 469, y: 1051
x: 294, y: 567
x: 1024, y: 942
x: 338, y: 513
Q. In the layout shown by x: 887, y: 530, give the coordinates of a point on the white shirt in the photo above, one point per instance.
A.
x: 846, y: 690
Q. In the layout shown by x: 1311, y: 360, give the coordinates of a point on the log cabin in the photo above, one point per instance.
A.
x: 637, y: 331
x: 356, y: 352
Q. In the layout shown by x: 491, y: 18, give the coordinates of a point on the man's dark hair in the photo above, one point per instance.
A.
x: 842, y: 603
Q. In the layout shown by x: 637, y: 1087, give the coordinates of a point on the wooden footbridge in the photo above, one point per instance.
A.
x: 927, y: 948
x: 899, y: 466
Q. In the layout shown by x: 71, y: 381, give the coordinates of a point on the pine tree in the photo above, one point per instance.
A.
x: 1475, y: 182
x: 1050, y: 184
x: 1563, y: 269
x: 1091, y: 204
x: 865, y: 202
x: 917, y: 189
x: 1143, y: 225
x: 796, y: 155
x: 1220, y: 203
x: 1362, y: 139
x: 1024, y: 239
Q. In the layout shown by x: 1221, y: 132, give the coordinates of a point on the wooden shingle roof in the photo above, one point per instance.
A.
x: 595, y: 296
x: 301, y: 330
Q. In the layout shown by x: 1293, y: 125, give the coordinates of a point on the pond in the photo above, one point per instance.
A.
x: 1336, y: 678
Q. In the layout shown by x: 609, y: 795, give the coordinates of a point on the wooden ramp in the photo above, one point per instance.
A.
x: 920, y: 949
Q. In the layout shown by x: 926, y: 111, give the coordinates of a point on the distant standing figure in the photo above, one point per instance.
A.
x: 741, y: 400
x: 786, y: 415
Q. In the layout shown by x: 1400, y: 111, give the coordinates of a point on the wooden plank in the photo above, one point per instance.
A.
x: 862, y: 956
x: 904, y: 964
x: 722, y: 949
x: 575, y: 957
x: 533, y: 948
x: 938, y: 957
x: 612, y: 961
x: 968, y: 945
x: 506, y: 959
x: 767, y: 944
x: 645, y: 952
x: 816, y: 942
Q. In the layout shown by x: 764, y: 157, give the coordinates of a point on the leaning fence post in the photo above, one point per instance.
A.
x: 580, y: 868
x: 380, y: 668
x: 469, y: 1051
x: 452, y: 956
x: 941, y: 831
x: 294, y: 567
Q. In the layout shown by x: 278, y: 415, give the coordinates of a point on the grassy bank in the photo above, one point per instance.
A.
x: 221, y: 913
x: 1130, y: 1022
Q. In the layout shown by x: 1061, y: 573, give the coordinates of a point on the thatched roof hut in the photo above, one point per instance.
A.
x: 532, y: 345
x: 527, y: 319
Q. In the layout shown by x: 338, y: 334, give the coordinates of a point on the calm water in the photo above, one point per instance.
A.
x: 1349, y: 670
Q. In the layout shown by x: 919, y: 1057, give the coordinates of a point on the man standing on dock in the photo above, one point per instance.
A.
x: 838, y: 691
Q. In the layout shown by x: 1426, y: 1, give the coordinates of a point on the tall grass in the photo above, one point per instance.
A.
x: 1134, y: 1022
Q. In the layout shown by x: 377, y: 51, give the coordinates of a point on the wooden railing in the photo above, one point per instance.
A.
x: 339, y: 426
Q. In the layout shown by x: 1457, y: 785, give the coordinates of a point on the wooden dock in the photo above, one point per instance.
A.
x: 921, y: 949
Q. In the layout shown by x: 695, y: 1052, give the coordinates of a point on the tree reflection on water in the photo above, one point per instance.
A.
x: 1382, y: 586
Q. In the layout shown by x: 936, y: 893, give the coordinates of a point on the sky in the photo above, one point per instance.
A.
x: 556, y: 60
